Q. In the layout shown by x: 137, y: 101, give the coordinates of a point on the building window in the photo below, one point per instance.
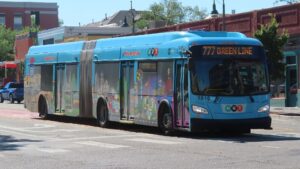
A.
x: 35, y: 18
x: 2, y: 19
x: 48, y: 41
x: 18, y: 22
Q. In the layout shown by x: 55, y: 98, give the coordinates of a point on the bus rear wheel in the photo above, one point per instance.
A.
x: 166, y: 121
x: 102, y: 116
x: 43, y: 108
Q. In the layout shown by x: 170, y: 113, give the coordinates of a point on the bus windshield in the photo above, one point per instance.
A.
x: 231, y: 75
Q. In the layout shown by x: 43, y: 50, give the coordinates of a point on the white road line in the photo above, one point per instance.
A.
x: 90, y: 138
x: 273, y: 147
x: 19, y: 133
x: 223, y: 141
x: 39, y: 126
x: 153, y: 141
x: 52, y: 150
x: 293, y: 135
x: 54, y: 131
x: 100, y: 144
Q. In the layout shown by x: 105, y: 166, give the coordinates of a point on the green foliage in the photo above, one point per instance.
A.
x: 7, y: 40
x: 273, y: 43
x: 287, y: 1
x: 33, y: 29
x: 171, y: 12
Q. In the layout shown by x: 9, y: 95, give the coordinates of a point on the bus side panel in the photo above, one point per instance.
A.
x: 106, y: 85
x: 32, y: 87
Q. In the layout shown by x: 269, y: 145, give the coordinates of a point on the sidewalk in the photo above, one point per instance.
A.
x: 287, y: 111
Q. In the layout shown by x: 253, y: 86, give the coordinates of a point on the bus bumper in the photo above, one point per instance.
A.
x: 209, y: 124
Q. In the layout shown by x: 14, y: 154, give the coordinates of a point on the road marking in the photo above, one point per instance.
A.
x: 153, y: 141
x: 39, y: 126
x: 223, y: 141
x: 102, y: 145
x: 19, y: 133
x: 293, y: 135
x: 52, y: 150
x: 90, y: 138
x: 274, y: 147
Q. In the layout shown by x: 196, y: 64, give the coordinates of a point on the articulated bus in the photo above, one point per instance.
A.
x: 190, y: 81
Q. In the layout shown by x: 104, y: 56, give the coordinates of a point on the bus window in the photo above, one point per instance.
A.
x: 148, y: 83
x: 47, y: 78
x: 107, y: 78
x: 165, y: 78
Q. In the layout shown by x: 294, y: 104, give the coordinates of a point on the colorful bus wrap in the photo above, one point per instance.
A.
x: 187, y: 81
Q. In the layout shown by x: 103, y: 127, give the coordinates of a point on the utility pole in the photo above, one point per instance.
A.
x: 133, y: 15
x: 224, y: 25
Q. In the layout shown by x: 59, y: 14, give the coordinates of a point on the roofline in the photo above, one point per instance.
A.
x: 45, y: 5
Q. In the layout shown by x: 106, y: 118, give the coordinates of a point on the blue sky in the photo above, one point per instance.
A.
x: 73, y: 12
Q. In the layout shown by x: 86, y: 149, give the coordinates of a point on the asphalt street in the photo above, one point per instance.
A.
x: 27, y: 142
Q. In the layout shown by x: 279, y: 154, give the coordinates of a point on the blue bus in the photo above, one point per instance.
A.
x: 190, y: 81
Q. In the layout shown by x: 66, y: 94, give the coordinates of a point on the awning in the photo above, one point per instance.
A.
x: 8, y: 65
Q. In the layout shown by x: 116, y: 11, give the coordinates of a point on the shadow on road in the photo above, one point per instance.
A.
x: 9, y: 143
x: 222, y: 136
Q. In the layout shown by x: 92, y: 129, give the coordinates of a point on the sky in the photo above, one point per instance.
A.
x: 75, y: 12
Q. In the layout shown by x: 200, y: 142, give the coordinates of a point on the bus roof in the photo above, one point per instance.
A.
x: 169, y: 44
x: 167, y: 37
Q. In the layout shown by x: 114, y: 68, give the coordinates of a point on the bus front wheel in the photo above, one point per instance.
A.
x: 102, y: 115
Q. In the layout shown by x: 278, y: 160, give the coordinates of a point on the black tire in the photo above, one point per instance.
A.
x: 11, y: 99
x: 19, y: 101
x: 102, y: 116
x: 43, y: 109
x: 166, y: 121
x: 1, y: 99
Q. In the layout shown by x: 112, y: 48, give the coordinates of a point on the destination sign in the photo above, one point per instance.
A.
x: 227, y: 50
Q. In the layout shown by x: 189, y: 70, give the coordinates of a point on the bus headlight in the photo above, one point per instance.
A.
x: 265, y: 108
x: 198, y: 109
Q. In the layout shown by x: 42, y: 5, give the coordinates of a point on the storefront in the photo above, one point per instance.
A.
x: 7, y: 65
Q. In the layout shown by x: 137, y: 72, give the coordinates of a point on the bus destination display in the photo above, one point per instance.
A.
x: 227, y: 50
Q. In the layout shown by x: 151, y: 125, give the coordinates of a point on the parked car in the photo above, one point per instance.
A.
x: 13, y: 92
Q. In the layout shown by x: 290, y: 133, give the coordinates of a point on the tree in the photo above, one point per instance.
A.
x: 273, y: 43
x: 287, y: 1
x: 171, y: 12
x: 7, y: 40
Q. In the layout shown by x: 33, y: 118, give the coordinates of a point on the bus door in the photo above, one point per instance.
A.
x: 181, y: 95
x: 59, y: 94
x: 291, y: 84
x: 127, y: 80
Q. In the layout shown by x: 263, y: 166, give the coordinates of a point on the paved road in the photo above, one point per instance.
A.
x: 31, y: 143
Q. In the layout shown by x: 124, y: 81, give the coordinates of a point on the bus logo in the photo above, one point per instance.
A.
x: 153, y: 52
x: 232, y: 108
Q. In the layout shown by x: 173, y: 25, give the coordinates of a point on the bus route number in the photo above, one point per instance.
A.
x: 226, y: 50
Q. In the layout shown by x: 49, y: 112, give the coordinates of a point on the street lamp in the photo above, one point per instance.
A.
x: 224, y: 26
x: 133, y: 20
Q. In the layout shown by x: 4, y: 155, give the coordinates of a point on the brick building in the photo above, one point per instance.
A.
x: 16, y: 15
